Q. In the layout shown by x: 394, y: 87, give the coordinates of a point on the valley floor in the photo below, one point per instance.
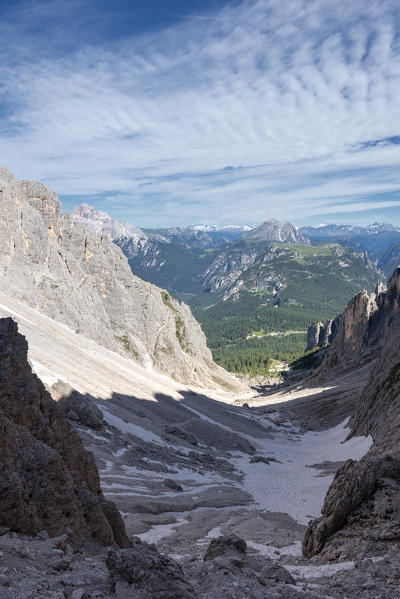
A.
x: 184, y: 466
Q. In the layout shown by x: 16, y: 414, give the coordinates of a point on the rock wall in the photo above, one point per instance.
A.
x: 321, y: 335
x: 352, y: 337
x: 48, y: 481
x: 83, y: 280
x: 363, y: 501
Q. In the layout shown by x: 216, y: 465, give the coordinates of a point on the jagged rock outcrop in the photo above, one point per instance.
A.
x: 77, y: 407
x: 354, y: 336
x: 366, y: 494
x: 225, y: 544
x: 48, y: 481
x: 367, y: 490
x: 321, y: 335
x: 53, y: 264
x: 314, y: 335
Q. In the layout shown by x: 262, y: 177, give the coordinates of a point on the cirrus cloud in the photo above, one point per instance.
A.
x: 261, y: 109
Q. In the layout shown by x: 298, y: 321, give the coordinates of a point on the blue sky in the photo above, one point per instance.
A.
x: 178, y: 112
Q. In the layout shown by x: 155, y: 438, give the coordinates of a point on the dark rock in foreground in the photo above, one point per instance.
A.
x: 224, y: 544
x: 172, y: 484
x: 48, y: 481
x: 147, y: 574
x: 277, y: 573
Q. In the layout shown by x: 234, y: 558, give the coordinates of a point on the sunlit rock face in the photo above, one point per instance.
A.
x: 82, y: 279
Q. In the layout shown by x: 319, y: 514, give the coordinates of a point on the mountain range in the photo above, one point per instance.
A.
x: 256, y: 295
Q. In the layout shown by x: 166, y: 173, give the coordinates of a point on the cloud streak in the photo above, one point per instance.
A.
x: 260, y: 109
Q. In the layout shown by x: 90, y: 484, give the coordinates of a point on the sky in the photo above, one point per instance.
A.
x: 176, y: 112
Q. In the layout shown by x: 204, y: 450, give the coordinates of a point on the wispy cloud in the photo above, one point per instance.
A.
x: 301, y: 99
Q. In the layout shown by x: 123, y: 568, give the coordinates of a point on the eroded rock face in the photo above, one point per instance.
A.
x: 53, y: 264
x: 366, y: 494
x: 48, y: 481
x: 314, y: 335
x: 321, y: 335
x: 353, y: 334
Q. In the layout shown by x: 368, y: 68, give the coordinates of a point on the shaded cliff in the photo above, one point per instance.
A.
x: 321, y: 335
x: 353, y: 337
x: 48, y: 481
x: 363, y: 501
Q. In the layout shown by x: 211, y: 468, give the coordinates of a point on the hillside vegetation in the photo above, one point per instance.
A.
x: 280, y: 296
x: 256, y: 295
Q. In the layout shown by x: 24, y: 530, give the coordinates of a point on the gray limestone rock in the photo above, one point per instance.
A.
x: 174, y: 430
x: 277, y: 573
x: 55, y: 265
x: 321, y: 335
x: 314, y: 335
x: 273, y: 230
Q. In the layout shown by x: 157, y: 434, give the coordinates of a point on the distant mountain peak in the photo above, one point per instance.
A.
x: 212, y: 228
x: 275, y: 231
x: 101, y: 223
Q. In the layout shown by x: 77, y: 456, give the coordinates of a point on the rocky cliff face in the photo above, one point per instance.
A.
x: 54, y: 265
x: 321, y: 335
x: 363, y: 501
x: 357, y: 331
x: 48, y: 481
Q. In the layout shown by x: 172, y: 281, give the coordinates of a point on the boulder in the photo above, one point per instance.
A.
x: 223, y: 545
x: 172, y: 484
x: 147, y: 574
x: 277, y: 573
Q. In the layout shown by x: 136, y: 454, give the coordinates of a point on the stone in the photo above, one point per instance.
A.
x: 225, y: 544
x: 263, y: 459
x: 172, y: 484
x: 77, y: 407
x: 149, y: 573
x: 48, y: 481
x: 364, y: 494
x: 178, y: 432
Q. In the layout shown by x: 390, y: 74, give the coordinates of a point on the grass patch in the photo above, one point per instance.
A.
x: 126, y: 344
